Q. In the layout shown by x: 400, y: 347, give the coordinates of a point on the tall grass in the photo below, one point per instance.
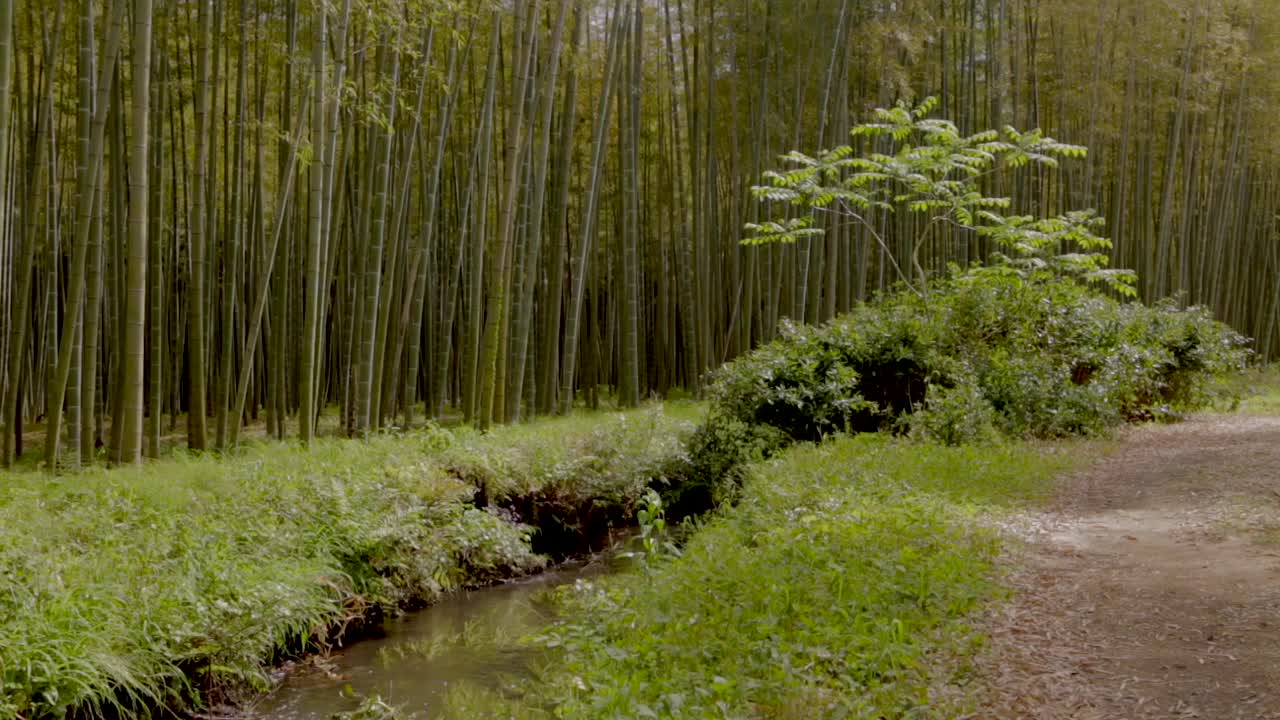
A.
x: 167, y: 584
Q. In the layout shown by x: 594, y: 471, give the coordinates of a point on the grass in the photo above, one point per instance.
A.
x: 167, y: 584
x: 578, y: 455
x: 833, y: 589
x: 1259, y: 389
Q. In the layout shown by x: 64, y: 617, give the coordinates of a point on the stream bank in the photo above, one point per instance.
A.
x: 843, y: 583
x: 416, y: 659
x: 183, y: 583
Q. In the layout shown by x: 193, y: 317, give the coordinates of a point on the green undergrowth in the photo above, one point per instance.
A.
x: 173, y: 583
x: 1259, y: 390
x: 599, y: 455
x: 984, y: 354
x: 841, y: 585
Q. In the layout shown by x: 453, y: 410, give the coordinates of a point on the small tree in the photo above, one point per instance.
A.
x: 935, y: 171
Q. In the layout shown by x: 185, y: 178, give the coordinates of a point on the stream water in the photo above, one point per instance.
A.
x: 419, y: 656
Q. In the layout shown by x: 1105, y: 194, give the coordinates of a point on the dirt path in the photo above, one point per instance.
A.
x: 1152, y: 590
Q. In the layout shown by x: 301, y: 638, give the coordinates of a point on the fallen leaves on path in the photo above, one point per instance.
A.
x: 1150, y: 589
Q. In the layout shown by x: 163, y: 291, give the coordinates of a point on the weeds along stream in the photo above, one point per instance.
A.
x: 182, y: 583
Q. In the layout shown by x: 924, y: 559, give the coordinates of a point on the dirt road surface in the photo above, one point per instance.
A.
x: 1151, y: 589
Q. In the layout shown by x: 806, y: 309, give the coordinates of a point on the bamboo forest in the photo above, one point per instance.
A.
x: 255, y: 210
x: 716, y: 355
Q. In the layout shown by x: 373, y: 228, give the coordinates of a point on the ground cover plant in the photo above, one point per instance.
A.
x: 1258, y: 391
x: 834, y: 587
x: 170, y: 583
x: 577, y: 478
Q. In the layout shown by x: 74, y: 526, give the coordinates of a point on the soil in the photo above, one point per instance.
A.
x: 1151, y: 588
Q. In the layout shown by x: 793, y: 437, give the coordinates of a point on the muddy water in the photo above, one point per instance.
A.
x: 424, y: 653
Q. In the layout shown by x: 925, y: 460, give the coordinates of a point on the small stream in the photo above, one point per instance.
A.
x: 419, y: 656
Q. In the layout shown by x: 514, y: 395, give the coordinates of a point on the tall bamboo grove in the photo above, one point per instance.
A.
x: 296, y: 217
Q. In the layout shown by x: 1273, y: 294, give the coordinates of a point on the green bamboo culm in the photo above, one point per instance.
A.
x: 363, y: 215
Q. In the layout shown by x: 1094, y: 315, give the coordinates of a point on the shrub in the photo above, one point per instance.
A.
x: 1030, y: 357
x: 955, y: 415
x: 803, y: 383
x: 1036, y: 395
x: 857, y: 373
x: 718, y: 453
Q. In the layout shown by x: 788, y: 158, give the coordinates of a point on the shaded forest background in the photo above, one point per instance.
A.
x: 220, y: 212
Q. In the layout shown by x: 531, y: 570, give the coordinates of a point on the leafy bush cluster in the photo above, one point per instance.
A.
x: 157, y: 586
x: 712, y: 467
x: 981, y: 353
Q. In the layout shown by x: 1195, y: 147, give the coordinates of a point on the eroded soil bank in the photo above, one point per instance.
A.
x: 1151, y: 589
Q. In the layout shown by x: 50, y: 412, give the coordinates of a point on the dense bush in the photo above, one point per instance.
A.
x: 716, y: 457
x: 982, y: 350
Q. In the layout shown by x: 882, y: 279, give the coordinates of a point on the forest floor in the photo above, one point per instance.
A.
x: 1151, y: 587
